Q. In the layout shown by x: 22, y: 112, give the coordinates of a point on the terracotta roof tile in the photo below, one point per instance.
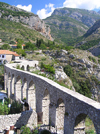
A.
x: 8, y: 52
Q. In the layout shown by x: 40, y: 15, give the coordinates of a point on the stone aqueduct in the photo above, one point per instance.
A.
x: 60, y: 106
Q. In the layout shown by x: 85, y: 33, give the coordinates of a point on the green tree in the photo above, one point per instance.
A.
x: 30, y: 46
x: 5, y: 47
x: 68, y: 70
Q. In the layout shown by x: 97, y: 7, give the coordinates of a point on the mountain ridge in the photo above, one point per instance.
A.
x: 70, y: 23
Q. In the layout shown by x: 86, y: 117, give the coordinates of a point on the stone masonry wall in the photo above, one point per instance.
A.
x: 25, y: 118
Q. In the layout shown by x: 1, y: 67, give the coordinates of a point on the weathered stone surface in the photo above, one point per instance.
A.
x: 60, y: 105
x: 25, y: 118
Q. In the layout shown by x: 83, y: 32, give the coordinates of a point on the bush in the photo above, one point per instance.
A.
x: 92, y: 59
x: 16, y: 107
x: 68, y: 70
x: 25, y: 130
x: 4, y: 109
x: 20, y: 51
x: 48, y: 68
x: 5, y: 47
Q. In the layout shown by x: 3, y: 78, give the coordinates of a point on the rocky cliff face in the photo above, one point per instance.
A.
x: 15, y: 14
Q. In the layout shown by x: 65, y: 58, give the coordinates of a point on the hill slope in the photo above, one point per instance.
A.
x: 10, y: 31
x: 68, y: 23
x: 14, y: 14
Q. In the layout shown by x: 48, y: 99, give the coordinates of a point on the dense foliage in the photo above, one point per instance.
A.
x: 26, y: 130
x: 81, y: 86
x: 89, y: 44
x: 16, y: 107
x: 48, y: 68
x: 5, y: 47
x: 4, y: 109
x: 20, y: 52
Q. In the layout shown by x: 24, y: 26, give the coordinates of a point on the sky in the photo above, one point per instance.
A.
x: 44, y: 8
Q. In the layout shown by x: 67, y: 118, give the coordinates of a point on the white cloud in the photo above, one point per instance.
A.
x: 84, y: 4
x: 46, y: 12
x: 27, y: 8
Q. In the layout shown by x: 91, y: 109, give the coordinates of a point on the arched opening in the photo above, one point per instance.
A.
x: 83, y: 124
x: 35, y: 65
x: 60, y: 115
x: 18, y: 88
x: 31, y: 96
x: 28, y: 68
x: 22, y: 68
x: 24, y: 89
x: 45, y: 107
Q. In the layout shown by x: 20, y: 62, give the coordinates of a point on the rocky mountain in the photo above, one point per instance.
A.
x: 12, y: 13
x: 94, y: 30
x: 91, y: 39
x: 68, y: 23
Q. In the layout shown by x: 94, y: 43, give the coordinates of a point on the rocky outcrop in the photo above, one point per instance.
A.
x: 27, y: 18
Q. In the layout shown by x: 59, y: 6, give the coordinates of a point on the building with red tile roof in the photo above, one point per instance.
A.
x: 7, y: 56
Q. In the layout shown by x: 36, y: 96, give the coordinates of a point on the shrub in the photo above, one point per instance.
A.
x: 92, y: 59
x: 4, y: 109
x: 48, y: 68
x: 18, y: 66
x: 5, y: 47
x: 25, y: 130
x: 16, y: 107
x: 68, y: 70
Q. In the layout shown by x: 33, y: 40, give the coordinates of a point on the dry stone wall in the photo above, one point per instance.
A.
x: 25, y: 118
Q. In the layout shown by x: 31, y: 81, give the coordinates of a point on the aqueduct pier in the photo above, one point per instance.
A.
x: 54, y: 104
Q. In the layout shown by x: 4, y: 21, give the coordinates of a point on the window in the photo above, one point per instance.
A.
x: 2, y: 56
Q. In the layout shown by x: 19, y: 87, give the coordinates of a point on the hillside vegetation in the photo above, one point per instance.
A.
x: 10, y: 31
x: 67, y: 23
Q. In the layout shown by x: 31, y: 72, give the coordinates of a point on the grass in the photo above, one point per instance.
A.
x: 89, y: 126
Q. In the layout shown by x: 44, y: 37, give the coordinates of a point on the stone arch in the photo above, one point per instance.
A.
x: 24, y: 89
x: 60, y: 114
x: 18, y: 87
x: 31, y: 95
x: 45, y: 107
x: 79, y: 124
x: 28, y: 68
